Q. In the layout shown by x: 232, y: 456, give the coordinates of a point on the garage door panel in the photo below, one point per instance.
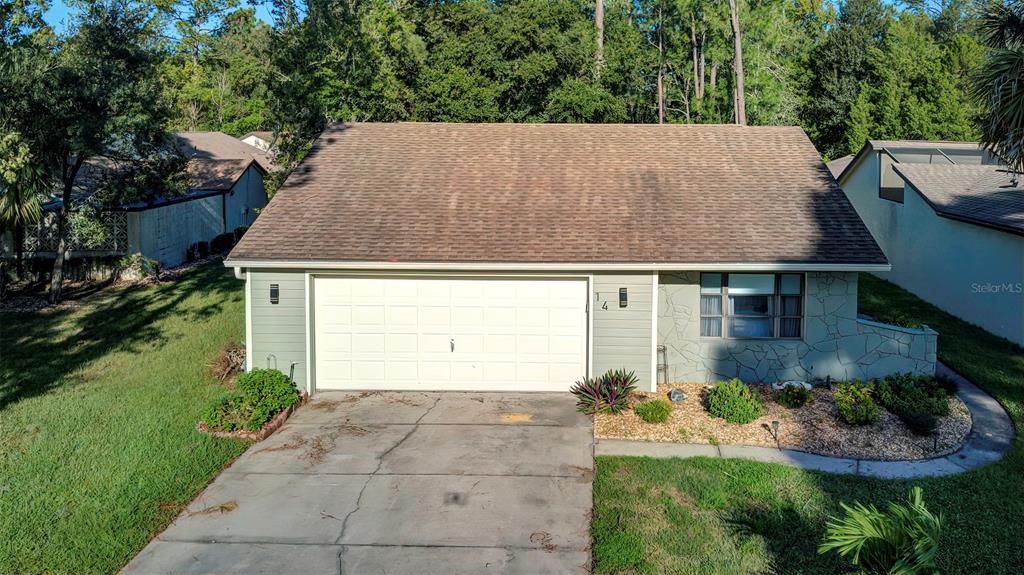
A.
x: 397, y: 333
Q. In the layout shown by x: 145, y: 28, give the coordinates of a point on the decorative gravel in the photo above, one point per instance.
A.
x: 814, y: 428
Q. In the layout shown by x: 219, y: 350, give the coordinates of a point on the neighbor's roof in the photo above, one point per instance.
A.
x: 842, y: 168
x: 265, y: 136
x: 560, y: 193
x: 984, y: 195
x: 217, y: 160
x: 837, y: 165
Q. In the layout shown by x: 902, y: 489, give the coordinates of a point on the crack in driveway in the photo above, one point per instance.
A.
x: 380, y: 463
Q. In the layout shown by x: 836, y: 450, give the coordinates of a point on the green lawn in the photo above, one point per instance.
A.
x: 732, y: 516
x: 98, y: 405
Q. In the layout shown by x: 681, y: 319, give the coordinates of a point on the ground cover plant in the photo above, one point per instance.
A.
x: 260, y: 395
x: 654, y: 411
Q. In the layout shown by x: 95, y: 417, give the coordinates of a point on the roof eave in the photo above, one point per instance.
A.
x: 554, y: 266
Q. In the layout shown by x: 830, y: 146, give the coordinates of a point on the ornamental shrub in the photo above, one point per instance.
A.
x: 855, y: 404
x: 656, y: 411
x: 917, y: 400
x: 261, y: 394
x: 606, y: 394
x: 222, y: 242
x: 794, y: 396
x: 904, y: 540
x: 734, y: 402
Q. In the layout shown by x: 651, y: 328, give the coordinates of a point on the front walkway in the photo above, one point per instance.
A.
x: 397, y: 483
x: 991, y: 436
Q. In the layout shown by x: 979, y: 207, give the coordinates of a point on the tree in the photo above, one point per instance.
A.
x: 839, y: 70
x: 741, y: 106
x: 599, y: 32
x: 999, y: 83
x: 910, y: 90
x: 98, y: 97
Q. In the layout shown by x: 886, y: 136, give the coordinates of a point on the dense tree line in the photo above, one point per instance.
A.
x: 127, y: 72
x: 862, y: 69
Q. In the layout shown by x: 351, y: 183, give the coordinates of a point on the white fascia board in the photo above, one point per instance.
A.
x: 553, y: 267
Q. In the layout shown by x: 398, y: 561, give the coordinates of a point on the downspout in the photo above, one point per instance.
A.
x: 240, y: 273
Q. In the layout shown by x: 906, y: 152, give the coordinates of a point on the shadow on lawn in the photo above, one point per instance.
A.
x: 38, y: 351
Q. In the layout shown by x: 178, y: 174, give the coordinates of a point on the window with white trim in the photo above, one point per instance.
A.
x: 751, y: 305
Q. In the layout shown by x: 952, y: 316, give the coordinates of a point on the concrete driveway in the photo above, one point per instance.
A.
x: 397, y: 483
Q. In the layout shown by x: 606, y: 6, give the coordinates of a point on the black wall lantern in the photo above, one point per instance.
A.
x: 275, y: 293
x: 623, y: 298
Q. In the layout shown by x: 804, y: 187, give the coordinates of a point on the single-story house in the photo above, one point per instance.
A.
x: 950, y: 219
x: 225, y: 191
x: 527, y: 256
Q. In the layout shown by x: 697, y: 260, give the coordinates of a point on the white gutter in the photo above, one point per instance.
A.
x: 240, y: 273
x: 528, y: 266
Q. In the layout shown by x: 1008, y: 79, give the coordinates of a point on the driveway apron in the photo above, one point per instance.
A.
x: 397, y: 483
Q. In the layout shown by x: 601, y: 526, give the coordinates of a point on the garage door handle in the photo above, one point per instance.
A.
x: 453, y: 345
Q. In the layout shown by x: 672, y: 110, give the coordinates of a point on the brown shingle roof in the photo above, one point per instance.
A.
x: 217, y: 160
x: 984, y: 195
x: 838, y: 165
x: 558, y: 193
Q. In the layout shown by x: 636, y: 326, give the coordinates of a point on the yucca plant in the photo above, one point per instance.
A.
x: 608, y: 393
x: 903, y: 541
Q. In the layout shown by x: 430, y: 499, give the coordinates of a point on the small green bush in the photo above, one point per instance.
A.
x: 222, y: 242
x: 262, y: 394
x: 229, y: 413
x: 917, y: 400
x: 734, y: 402
x: 855, y: 404
x: 655, y: 411
x: 794, y: 396
x: 900, y: 318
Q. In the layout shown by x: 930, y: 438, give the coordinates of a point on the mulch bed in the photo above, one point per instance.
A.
x: 814, y: 428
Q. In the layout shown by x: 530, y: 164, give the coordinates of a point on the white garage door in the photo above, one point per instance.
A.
x: 449, y: 333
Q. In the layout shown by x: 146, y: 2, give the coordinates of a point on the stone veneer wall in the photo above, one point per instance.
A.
x: 835, y: 343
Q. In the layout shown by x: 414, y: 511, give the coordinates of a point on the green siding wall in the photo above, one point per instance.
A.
x: 279, y: 329
x: 622, y: 336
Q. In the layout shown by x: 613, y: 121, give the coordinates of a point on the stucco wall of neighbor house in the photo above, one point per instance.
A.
x: 836, y: 343
x: 622, y: 336
x: 973, y: 272
x: 248, y: 195
x: 276, y: 333
x: 168, y: 231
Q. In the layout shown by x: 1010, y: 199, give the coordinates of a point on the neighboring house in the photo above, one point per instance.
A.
x: 524, y: 257
x: 950, y: 219
x: 225, y: 190
x: 261, y: 140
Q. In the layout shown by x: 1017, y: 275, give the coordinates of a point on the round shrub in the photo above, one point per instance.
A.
x: 734, y: 402
x: 855, y: 404
x: 268, y: 392
x: 917, y: 400
x: 794, y: 396
x: 260, y: 395
x: 656, y: 411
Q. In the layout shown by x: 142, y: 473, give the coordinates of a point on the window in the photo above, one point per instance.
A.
x: 755, y: 305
